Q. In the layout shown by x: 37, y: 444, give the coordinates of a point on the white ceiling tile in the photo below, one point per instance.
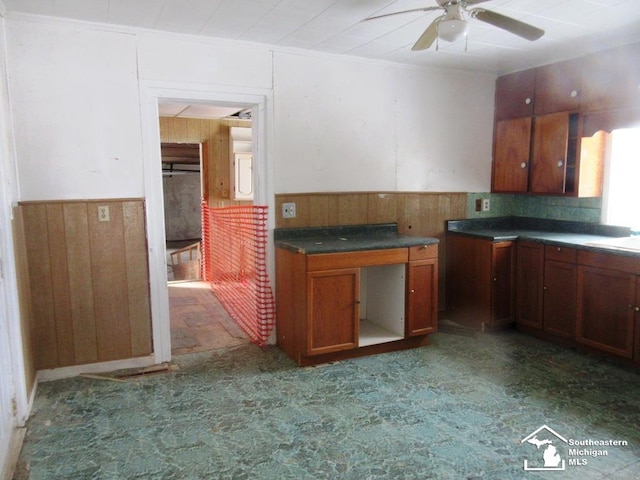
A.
x: 573, y: 27
x: 171, y: 109
x: 93, y: 10
x: 141, y: 13
x: 38, y: 7
x: 186, y: 16
x: 234, y: 17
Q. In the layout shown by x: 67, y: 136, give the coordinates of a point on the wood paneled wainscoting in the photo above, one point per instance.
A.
x: 416, y: 213
x: 88, y: 280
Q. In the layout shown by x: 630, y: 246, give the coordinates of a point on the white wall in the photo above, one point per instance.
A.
x: 344, y: 124
x: 13, y: 391
x: 76, y: 109
x: 340, y: 123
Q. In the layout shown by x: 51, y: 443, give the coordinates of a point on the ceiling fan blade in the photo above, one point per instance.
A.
x: 474, y: 2
x: 509, y: 24
x: 424, y: 9
x: 428, y: 36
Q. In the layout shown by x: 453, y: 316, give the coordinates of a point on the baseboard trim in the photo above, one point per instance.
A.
x: 102, y: 367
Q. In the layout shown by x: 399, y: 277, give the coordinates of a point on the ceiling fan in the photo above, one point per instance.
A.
x: 452, y: 25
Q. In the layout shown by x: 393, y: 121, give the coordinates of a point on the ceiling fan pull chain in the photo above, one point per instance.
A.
x: 466, y: 43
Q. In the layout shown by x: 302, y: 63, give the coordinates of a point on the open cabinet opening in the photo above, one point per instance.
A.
x: 382, y: 304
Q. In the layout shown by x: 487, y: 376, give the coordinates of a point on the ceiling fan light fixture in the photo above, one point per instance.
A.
x: 452, y: 29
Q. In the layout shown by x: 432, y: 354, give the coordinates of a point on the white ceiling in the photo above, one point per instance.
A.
x: 573, y: 27
x: 198, y: 110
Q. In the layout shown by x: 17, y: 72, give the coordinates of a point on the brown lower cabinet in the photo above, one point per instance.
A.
x: 577, y: 296
x: 546, y: 288
x: 339, y: 305
x: 606, y: 302
x: 480, y: 281
x: 583, y: 296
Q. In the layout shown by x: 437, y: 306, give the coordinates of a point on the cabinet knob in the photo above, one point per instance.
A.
x: 523, y: 165
x: 637, y: 309
x: 558, y: 249
x: 560, y: 163
x: 412, y: 291
x: 574, y: 93
x: 495, y: 279
x: 544, y: 288
x: 527, y: 101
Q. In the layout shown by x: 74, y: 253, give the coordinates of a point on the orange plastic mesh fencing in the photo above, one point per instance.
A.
x: 234, y: 263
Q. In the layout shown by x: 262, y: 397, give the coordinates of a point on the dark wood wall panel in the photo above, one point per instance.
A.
x: 81, y: 283
x: 137, y: 277
x: 89, y: 281
x: 24, y: 293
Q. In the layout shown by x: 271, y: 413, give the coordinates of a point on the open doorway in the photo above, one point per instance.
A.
x: 198, y: 154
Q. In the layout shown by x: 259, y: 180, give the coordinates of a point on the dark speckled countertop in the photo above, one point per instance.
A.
x: 583, y: 235
x: 350, y: 238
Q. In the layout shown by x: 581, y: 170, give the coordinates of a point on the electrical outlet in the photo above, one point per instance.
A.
x: 486, y: 204
x: 289, y: 210
x: 103, y: 213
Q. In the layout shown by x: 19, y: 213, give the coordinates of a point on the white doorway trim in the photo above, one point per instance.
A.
x: 260, y: 101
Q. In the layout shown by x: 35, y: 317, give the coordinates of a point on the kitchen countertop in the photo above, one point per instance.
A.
x: 351, y: 238
x: 582, y: 235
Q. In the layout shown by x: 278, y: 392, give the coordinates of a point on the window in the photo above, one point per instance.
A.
x: 621, y: 199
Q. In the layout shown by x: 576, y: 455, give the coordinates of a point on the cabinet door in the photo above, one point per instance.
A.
x: 560, y: 298
x: 511, y: 155
x: 612, y: 79
x: 242, y: 172
x: 333, y: 310
x: 558, y: 87
x: 605, y: 314
x: 422, y: 297
x: 469, y: 281
x: 549, y: 153
x: 514, y: 94
x: 529, y: 277
x: 502, y: 291
x: 636, y: 309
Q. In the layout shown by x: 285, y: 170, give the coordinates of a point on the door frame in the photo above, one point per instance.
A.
x: 260, y: 102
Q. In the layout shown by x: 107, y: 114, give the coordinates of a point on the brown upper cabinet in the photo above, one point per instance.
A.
x: 612, y: 80
x: 550, y: 153
x: 558, y: 87
x: 549, y: 122
x: 515, y: 94
x: 511, y: 155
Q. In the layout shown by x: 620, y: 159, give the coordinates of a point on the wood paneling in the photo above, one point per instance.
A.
x: 24, y: 294
x: 89, y: 281
x: 216, y: 173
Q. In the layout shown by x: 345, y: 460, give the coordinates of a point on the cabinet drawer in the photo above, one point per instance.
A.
x: 622, y: 263
x: 422, y: 252
x: 560, y: 254
x: 360, y: 258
